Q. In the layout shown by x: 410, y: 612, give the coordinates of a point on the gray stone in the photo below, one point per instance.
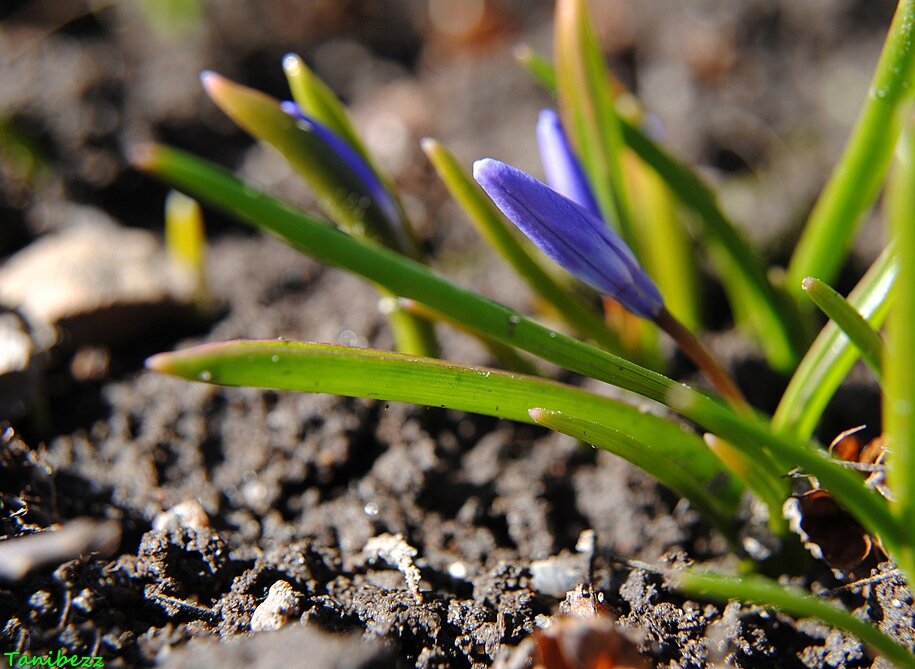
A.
x: 96, y: 281
x: 23, y: 357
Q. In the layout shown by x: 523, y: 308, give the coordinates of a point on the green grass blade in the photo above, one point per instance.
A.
x: 589, y: 115
x: 858, y: 330
x: 675, y: 454
x: 774, y: 316
x: 490, y: 223
x: 508, y: 357
x: 374, y: 374
x: 857, y: 178
x: 768, y: 593
x: 750, y: 434
x: 410, y: 279
x: 539, y: 67
x: 676, y: 458
x: 669, y: 256
x: 831, y: 356
x: 317, y: 100
x: 185, y: 240
x: 341, y: 193
x: 899, y: 404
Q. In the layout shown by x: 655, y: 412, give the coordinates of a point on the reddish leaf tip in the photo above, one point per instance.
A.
x: 143, y: 156
x: 158, y: 362
x: 212, y: 82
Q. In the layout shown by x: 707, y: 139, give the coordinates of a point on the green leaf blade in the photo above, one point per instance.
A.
x: 341, y: 193
x: 588, y: 112
x: 860, y: 172
x: 661, y: 448
x: 858, y: 330
x: 899, y: 403
x: 676, y: 458
x: 831, y: 356
x: 768, y: 593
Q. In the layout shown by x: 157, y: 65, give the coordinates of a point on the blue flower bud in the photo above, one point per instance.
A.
x: 574, y: 238
x: 564, y: 173
x: 356, y: 163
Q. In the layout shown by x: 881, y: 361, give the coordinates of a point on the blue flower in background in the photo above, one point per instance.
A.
x: 351, y: 158
x: 564, y: 173
x: 573, y: 237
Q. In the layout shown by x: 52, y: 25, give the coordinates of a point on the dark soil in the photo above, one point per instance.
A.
x: 292, y: 487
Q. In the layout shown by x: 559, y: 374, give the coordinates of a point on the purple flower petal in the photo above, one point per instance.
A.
x: 352, y: 159
x: 564, y: 173
x: 570, y: 235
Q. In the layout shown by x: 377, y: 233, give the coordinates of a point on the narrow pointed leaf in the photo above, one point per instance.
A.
x: 490, y: 223
x: 676, y: 458
x: 832, y: 355
x: 658, y: 446
x: 185, y: 240
x: 860, y: 172
x: 864, y: 503
x: 352, y: 196
x: 858, y: 330
x: 768, y: 593
x: 375, y: 374
x: 669, y: 254
x: 587, y: 107
x: 899, y: 404
x: 318, y: 101
x: 539, y: 67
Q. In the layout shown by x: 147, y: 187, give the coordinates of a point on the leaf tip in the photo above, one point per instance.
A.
x: 212, y: 82
x: 429, y: 145
x: 293, y: 65
x: 159, y: 363
x: 808, y: 283
x: 143, y: 156
x: 522, y: 52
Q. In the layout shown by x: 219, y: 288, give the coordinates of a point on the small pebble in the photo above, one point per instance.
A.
x: 97, y: 280
x: 187, y: 514
x: 395, y: 551
x: 23, y: 359
x: 556, y: 575
x: 279, y: 608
